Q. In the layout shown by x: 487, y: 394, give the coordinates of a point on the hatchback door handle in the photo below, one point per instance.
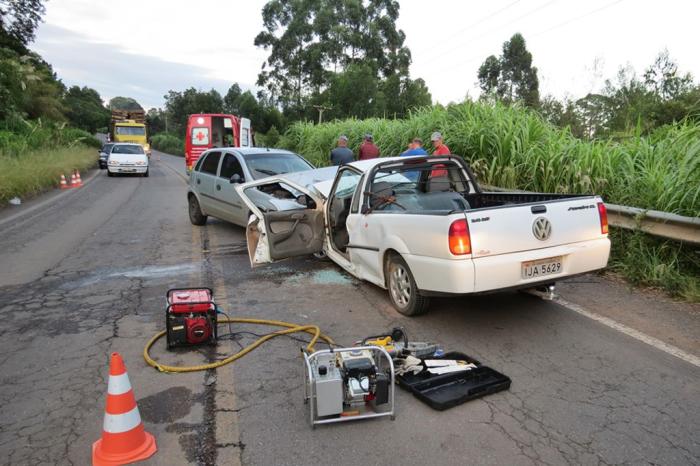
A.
x: 198, y: 181
x: 218, y: 187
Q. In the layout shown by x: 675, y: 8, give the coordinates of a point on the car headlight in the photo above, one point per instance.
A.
x: 113, y: 162
x: 140, y: 162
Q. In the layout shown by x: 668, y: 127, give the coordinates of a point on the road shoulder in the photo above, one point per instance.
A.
x: 650, y: 312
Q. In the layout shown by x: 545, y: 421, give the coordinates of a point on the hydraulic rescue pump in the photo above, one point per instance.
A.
x: 190, y: 317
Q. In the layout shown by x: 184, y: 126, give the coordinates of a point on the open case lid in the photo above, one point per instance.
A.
x: 448, y: 390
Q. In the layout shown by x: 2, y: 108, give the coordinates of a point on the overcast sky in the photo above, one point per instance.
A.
x: 142, y: 49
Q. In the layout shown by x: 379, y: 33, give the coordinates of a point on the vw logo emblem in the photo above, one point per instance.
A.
x: 541, y: 228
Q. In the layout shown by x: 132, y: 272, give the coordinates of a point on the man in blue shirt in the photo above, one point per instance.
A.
x: 415, y: 148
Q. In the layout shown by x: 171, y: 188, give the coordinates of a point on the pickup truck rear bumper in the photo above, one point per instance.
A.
x: 477, y: 275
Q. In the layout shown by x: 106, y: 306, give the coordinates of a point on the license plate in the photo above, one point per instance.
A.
x: 128, y: 170
x: 541, y: 268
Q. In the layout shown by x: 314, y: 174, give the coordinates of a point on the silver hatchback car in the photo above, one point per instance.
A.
x: 211, y: 191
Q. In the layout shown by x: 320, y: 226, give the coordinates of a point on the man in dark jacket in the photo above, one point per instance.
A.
x: 341, y: 154
x: 368, y: 150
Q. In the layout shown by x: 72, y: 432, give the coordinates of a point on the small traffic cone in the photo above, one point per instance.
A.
x: 78, y: 181
x: 73, y: 180
x: 64, y: 183
x: 124, y: 439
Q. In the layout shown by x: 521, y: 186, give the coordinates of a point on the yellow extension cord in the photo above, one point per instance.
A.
x: 291, y: 328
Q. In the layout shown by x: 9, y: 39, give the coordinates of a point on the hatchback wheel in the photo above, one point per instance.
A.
x: 196, y: 215
x: 403, y: 291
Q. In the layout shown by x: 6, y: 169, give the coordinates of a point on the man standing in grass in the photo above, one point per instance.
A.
x: 415, y: 148
x: 440, y: 149
x: 367, y: 149
x: 341, y: 154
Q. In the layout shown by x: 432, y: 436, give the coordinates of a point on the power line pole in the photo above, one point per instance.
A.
x: 321, y: 109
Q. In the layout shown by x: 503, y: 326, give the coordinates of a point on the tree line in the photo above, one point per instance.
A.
x: 29, y: 87
x: 333, y: 60
x: 628, y: 104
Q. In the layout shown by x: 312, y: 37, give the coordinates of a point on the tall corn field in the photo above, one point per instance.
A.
x: 512, y: 147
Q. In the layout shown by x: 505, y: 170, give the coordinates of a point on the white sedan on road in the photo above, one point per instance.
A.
x: 422, y: 227
x: 127, y: 158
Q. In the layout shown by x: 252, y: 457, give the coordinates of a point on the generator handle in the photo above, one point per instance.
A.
x: 211, y: 292
x: 309, y: 395
x: 211, y: 303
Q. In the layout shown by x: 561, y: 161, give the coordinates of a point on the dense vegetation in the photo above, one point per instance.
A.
x: 515, y: 148
x: 45, y: 128
x: 168, y: 143
x: 33, y: 155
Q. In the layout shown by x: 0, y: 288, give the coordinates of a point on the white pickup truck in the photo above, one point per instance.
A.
x: 422, y: 227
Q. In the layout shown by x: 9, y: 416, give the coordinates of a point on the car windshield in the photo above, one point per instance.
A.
x: 124, y: 149
x: 107, y: 147
x: 131, y: 130
x: 269, y: 163
x: 425, y: 186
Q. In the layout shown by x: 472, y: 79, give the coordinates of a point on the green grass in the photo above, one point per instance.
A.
x: 169, y: 144
x: 35, y: 171
x: 648, y: 261
x: 512, y: 147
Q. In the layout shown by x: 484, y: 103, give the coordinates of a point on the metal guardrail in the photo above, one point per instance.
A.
x: 653, y: 222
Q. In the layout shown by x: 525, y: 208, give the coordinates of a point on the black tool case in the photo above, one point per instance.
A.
x: 445, y: 391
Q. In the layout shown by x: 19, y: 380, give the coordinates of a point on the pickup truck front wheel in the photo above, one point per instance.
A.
x: 403, y: 291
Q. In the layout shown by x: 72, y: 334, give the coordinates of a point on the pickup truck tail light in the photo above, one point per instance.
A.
x: 460, y: 242
x: 603, y: 213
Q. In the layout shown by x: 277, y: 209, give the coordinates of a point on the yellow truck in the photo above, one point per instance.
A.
x: 130, y: 126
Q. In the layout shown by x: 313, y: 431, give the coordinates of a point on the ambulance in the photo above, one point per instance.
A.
x: 208, y: 130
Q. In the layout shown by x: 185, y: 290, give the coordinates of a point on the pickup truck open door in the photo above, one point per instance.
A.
x: 280, y: 228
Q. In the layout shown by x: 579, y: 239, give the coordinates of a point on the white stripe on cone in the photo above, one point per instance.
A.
x: 119, y: 423
x: 118, y: 384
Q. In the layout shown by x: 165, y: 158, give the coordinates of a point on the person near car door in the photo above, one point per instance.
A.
x: 341, y: 155
x: 368, y: 150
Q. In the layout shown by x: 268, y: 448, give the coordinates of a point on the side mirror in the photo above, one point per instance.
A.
x: 236, y: 178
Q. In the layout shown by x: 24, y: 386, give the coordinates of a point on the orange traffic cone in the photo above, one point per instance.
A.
x: 78, y: 181
x: 73, y: 180
x: 124, y: 439
x: 64, y: 183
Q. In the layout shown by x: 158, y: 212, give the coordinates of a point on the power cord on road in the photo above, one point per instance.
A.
x: 288, y: 330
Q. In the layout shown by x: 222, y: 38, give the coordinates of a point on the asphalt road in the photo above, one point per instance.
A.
x: 85, y: 273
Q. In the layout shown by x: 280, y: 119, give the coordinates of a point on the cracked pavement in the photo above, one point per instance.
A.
x: 86, y: 274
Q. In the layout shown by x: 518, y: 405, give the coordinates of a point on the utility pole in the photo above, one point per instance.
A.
x: 321, y: 109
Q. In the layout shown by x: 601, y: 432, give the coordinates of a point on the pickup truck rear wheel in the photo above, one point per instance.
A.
x: 196, y: 215
x: 403, y: 291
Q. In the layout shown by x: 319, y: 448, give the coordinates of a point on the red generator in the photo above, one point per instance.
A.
x: 190, y: 317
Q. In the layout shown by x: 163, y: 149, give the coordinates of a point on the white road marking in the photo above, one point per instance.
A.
x: 636, y: 334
